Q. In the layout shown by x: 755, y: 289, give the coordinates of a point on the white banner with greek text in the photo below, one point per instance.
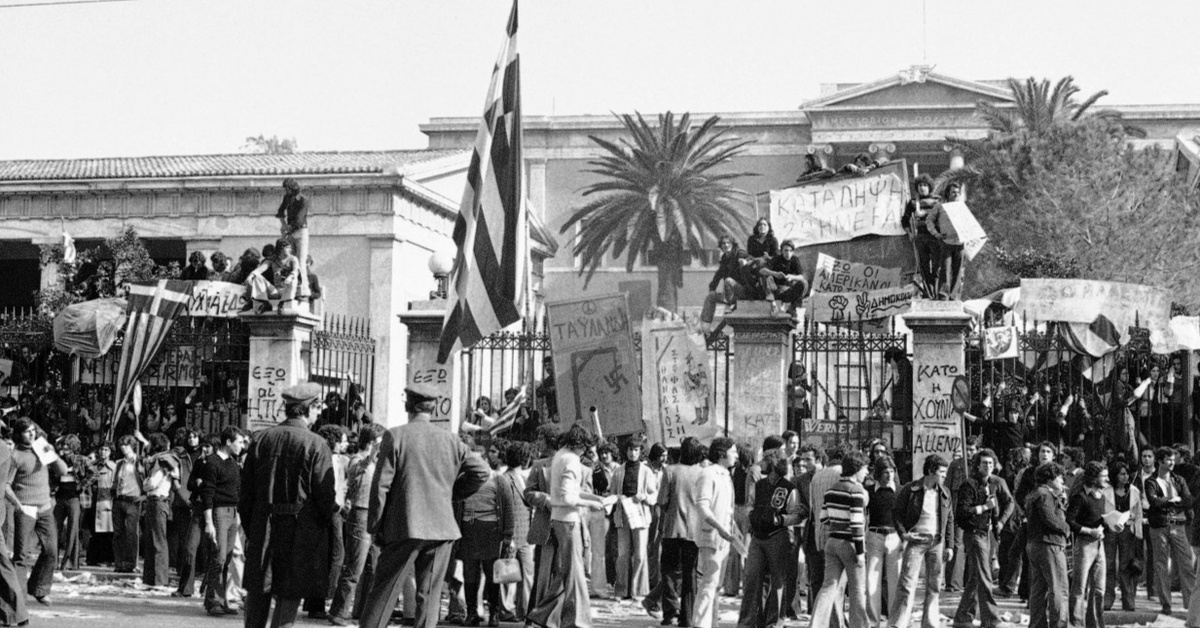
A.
x: 840, y: 209
x: 219, y: 299
x: 835, y: 275
x: 863, y: 305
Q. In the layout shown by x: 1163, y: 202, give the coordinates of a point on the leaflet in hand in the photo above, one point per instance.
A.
x: 44, y: 450
x: 1116, y: 518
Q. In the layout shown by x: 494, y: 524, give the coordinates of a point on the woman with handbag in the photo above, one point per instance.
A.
x: 515, y: 565
x: 480, y: 546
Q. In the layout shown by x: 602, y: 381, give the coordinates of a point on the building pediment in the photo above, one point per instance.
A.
x: 916, y: 87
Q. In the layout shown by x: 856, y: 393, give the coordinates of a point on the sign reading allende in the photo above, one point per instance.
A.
x: 835, y: 275
x: 1082, y: 300
x: 595, y: 364
x: 840, y: 209
x: 863, y: 305
x: 219, y: 299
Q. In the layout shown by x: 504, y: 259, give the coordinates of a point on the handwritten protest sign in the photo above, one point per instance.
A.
x: 966, y: 229
x: 1000, y: 343
x: 1082, y: 300
x: 595, y: 364
x: 835, y: 275
x: 843, y: 208
x: 428, y: 377
x: 837, y: 307
x: 218, y: 299
x: 939, y: 387
x: 676, y: 392
x: 173, y: 366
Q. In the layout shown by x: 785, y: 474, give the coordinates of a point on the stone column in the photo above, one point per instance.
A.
x: 424, y: 374
x: 758, y: 380
x: 278, y: 359
x: 940, y: 384
x: 882, y: 151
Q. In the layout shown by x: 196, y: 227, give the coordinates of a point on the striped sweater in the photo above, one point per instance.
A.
x: 843, y: 512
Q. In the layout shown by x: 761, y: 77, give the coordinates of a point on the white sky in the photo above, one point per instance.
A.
x: 165, y: 77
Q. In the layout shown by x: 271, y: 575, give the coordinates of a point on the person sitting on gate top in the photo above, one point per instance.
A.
x: 914, y: 221
x: 284, y: 268
x: 197, y: 269
x: 814, y: 169
x: 483, y: 417
x: 783, y: 278
x: 729, y: 281
x: 861, y: 165
x: 762, y: 245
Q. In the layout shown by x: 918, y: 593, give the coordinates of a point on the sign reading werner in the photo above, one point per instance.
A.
x: 1082, y: 300
x: 835, y: 275
x: 864, y: 305
x: 676, y: 390
x: 842, y: 208
x: 595, y: 364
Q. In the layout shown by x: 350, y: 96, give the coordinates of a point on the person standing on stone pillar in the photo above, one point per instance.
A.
x: 287, y: 501
x: 293, y: 223
x: 927, y: 246
x: 950, y: 265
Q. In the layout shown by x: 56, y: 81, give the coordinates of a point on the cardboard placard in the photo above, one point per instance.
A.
x: 838, y: 307
x: 967, y: 230
x: 835, y: 275
x: 1000, y: 343
x: 676, y: 393
x: 595, y: 364
x: 842, y: 208
x: 218, y: 299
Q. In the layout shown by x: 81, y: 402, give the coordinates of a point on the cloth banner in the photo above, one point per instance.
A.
x: 835, y: 275
x: 217, y: 299
x: 834, y: 210
x: 839, y: 307
x: 153, y: 306
x: 1083, y: 300
x: 967, y: 230
x: 89, y: 329
x: 595, y: 364
x: 676, y: 392
x: 1000, y: 343
x: 1187, y: 332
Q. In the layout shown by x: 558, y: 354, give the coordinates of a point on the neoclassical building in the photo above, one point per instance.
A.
x: 906, y: 115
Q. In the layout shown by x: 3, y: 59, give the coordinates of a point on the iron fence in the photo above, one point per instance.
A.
x: 342, y: 360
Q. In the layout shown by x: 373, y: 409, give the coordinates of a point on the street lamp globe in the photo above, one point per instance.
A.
x: 440, y: 264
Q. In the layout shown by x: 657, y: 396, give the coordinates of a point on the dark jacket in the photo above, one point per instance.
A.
x: 537, y: 496
x: 1047, y: 517
x: 975, y: 493
x: 767, y: 247
x: 287, y: 503
x: 730, y: 267
x: 913, y: 223
x: 422, y: 469
x: 1161, y: 510
x: 294, y: 210
x: 907, y: 510
x: 192, y: 273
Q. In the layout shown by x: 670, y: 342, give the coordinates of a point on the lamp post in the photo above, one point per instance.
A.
x: 440, y: 264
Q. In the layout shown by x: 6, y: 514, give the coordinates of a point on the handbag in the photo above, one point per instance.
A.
x: 506, y: 571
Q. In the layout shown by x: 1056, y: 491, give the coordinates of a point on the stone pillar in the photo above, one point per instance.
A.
x: 758, y: 379
x: 424, y: 374
x: 882, y: 151
x: 941, y: 391
x: 386, y: 275
x: 278, y: 359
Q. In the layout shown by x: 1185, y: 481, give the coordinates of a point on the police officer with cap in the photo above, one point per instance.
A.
x: 286, y: 505
x: 421, y: 470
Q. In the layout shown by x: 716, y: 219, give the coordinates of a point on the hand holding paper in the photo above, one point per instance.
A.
x: 44, y: 450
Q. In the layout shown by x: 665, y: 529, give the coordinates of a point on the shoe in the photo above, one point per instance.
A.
x: 229, y: 610
x: 1129, y: 607
x: 650, y: 610
x: 507, y: 616
x: 493, y: 621
x: 44, y: 600
x: 473, y: 621
x: 667, y: 621
x: 334, y: 620
x: 180, y: 594
x: 215, y: 611
x: 455, y: 619
x: 318, y: 615
x: 1166, y: 612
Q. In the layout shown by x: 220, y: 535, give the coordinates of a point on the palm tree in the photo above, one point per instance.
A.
x: 663, y: 191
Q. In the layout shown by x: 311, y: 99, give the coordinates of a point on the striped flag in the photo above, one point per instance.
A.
x: 508, y: 415
x: 153, y: 306
x: 491, y: 229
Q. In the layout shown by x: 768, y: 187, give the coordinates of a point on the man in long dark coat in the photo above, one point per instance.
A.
x: 422, y: 469
x: 286, y: 505
x: 12, y: 595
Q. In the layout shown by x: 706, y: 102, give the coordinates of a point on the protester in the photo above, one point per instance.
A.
x: 598, y: 523
x: 197, y: 268
x: 481, y: 544
x: 822, y: 481
x: 162, y: 472
x: 35, y: 537
x: 100, y: 549
x: 714, y: 532
x: 128, y: 478
x: 293, y: 224
x: 1120, y: 548
x: 220, y: 488
x: 915, y: 222
x: 514, y: 516
x: 183, y: 531
x: 843, y: 517
x: 337, y: 439
x: 637, y: 489
x: 410, y: 514
x: 13, y: 611
x: 923, y: 514
x: 882, y: 539
x: 762, y: 245
x: 1085, y: 516
x: 776, y: 508
x: 982, y: 509
x: 68, y: 487
x: 357, y: 538
x: 730, y: 281
x: 1168, y: 516
x: 290, y: 505
x: 783, y: 278
x: 275, y: 277
x: 677, y: 498
x: 1048, y: 532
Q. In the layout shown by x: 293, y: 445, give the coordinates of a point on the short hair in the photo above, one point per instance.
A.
x: 818, y: 455
x: 974, y: 441
x: 1074, y: 453
x: 332, y: 434
x: 518, y: 454
x: 230, y: 433
x: 282, y: 242
x: 772, y: 442
x: 852, y: 461
x: 882, y: 463
x: 1162, y: 453
x: 420, y: 407
x: 691, y: 451
x: 933, y: 462
x: 368, y: 433
x: 22, y: 424
x: 127, y: 439
x: 1048, y: 444
x: 1047, y: 471
x: 787, y: 242
x: 719, y: 447
x: 575, y: 438
x: 834, y: 455
x: 1091, y: 473
x: 775, y: 462
x: 984, y: 453
x: 294, y: 410
x: 786, y: 436
x: 291, y: 184
x: 159, y: 442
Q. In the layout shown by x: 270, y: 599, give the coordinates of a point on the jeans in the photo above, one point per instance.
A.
x: 1047, y: 585
x: 883, y: 562
x: 728, y: 292
x: 1171, y: 546
x: 632, y: 578
x: 767, y: 558
x: 678, y: 584
x: 125, y: 513
x: 918, y: 556
x: 224, y: 520
x: 1087, y: 587
x: 1012, y: 549
x: 1119, y: 552
x: 156, y: 569
x: 929, y: 261
x: 842, y: 564
x: 708, y: 579
x: 565, y: 600
x: 357, y: 542
x: 598, y: 523
x: 66, y: 517
x: 1193, y: 611
x: 955, y: 568
x: 193, y: 529
x: 978, y: 581
x: 36, y: 564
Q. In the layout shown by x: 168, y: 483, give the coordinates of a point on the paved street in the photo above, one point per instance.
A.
x: 88, y: 601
